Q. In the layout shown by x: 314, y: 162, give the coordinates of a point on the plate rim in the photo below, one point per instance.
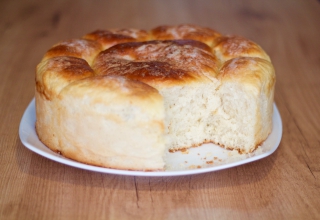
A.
x: 26, y: 124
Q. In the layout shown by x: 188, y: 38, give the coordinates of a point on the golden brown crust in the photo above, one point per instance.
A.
x: 55, y: 73
x: 126, y: 59
x: 80, y: 48
x: 229, y: 47
x: 108, y: 38
x: 253, y: 71
x: 185, y: 31
x: 158, y: 62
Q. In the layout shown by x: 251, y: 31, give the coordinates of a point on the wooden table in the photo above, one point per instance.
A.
x: 285, y: 185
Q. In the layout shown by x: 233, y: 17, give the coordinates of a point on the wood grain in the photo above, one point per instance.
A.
x: 285, y: 185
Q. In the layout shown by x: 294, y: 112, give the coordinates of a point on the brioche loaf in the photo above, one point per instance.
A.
x: 121, y: 98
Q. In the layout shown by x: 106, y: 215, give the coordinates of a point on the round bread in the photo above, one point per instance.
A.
x: 121, y: 98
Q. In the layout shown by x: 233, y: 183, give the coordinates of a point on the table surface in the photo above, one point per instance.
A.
x: 285, y: 185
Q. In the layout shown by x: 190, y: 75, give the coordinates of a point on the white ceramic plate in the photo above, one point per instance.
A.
x: 206, y: 158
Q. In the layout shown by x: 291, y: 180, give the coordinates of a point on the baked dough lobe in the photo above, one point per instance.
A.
x: 108, y: 38
x: 186, y: 31
x: 55, y: 73
x: 121, y: 98
x: 81, y: 48
x: 159, y: 63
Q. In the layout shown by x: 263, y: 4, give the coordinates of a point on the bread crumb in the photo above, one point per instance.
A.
x: 185, y: 151
x: 233, y: 153
x: 194, y: 167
